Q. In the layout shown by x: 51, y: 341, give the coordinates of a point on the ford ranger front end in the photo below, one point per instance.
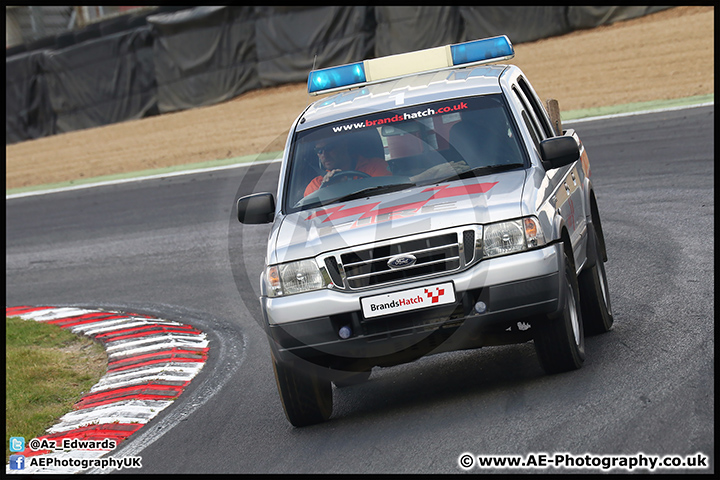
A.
x: 423, y: 213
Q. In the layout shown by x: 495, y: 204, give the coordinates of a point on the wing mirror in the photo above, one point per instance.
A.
x: 256, y: 208
x: 557, y: 152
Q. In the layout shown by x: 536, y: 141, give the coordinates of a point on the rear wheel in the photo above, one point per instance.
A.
x: 306, y: 397
x: 594, y: 294
x: 560, y: 341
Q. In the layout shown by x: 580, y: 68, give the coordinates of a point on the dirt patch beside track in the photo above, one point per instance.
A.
x: 667, y: 55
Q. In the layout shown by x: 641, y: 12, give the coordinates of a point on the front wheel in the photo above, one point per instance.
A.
x: 595, y: 295
x: 306, y: 397
x: 560, y: 341
x: 349, y: 379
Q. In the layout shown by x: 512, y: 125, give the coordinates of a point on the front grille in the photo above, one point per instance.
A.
x: 434, y: 254
x: 333, y: 270
x: 469, y: 245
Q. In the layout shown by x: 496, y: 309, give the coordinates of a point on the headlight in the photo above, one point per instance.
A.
x: 294, y: 277
x: 510, y: 237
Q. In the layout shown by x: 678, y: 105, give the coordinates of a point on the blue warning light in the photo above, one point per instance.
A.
x: 482, y: 50
x: 336, y: 77
x: 486, y: 50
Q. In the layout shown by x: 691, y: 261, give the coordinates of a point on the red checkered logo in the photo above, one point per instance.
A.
x: 435, y: 296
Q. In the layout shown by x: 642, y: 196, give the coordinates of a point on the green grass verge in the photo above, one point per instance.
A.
x: 150, y: 172
x: 565, y: 116
x: 636, y: 107
x: 47, y: 370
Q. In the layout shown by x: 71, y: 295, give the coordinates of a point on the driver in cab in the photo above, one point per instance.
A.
x: 335, y: 156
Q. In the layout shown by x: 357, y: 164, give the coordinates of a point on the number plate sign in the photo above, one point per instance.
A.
x: 408, y: 300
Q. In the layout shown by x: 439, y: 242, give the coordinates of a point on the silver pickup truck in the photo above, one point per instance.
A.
x: 429, y: 205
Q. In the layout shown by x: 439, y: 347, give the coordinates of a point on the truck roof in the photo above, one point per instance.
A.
x: 405, y: 91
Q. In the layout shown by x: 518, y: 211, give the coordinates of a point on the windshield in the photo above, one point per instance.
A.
x: 401, y: 148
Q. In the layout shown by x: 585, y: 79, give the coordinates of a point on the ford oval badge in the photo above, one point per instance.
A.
x: 401, y: 261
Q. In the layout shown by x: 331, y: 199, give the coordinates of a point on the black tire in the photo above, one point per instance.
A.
x: 559, y: 340
x: 349, y: 379
x: 594, y: 293
x: 306, y: 398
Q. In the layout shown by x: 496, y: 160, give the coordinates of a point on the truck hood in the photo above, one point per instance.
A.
x: 480, y: 200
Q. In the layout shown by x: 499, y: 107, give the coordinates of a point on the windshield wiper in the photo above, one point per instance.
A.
x: 374, y: 191
x: 478, y: 171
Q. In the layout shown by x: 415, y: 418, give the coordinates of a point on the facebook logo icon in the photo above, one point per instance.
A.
x: 17, y: 462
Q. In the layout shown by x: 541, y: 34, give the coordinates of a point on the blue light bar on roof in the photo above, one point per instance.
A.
x: 494, y: 49
x: 475, y: 52
x: 334, y: 77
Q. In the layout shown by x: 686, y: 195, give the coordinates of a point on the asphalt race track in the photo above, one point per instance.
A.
x: 164, y: 247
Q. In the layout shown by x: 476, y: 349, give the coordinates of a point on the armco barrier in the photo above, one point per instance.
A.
x: 180, y: 59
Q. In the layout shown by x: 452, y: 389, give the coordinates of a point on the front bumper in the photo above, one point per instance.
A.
x: 513, y: 288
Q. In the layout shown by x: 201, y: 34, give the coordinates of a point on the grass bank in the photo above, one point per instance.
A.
x: 47, y: 370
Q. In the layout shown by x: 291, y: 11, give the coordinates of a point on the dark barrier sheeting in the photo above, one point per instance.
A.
x: 289, y: 40
x: 403, y: 29
x: 203, y: 56
x: 102, y: 81
x: 520, y: 24
x: 28, y: 113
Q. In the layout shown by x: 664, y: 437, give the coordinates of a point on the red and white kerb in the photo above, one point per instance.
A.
x: 150, y: 362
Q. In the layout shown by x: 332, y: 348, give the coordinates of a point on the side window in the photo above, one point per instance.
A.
x: 537, y: 107
x: 529, y: 126
x: 530, y: 122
